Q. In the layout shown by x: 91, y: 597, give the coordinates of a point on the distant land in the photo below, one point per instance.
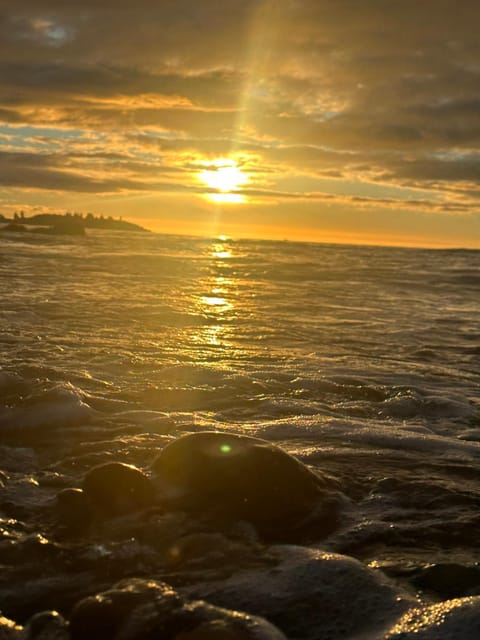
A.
x: 65, y: 224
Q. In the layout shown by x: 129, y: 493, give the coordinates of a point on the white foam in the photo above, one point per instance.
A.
x: 403, y: 436
x: 59, y: 406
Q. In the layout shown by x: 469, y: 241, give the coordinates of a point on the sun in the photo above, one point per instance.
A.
x: 225, y: 177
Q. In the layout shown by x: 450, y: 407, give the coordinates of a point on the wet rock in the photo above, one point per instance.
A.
x: 310, y: 594
x: 28, y: 549
x: 3, y: 478
x: 196, y: 621
x: 22, y: 598
x: 102, y: 616
x: 9, y: 630
x: 23, y: 497
x: 147, y: 610
x: 245, y: 477
x: 457, y: 619
x: 47, y: 625
x: 115, y: 488
x: 73, y: 509
x: 51, y: 479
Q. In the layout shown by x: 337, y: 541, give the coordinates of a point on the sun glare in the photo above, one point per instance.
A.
x: 225, y: 177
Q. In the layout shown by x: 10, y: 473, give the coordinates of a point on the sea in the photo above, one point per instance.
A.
x: 361, y: 361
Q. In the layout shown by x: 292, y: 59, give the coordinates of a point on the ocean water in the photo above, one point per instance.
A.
x: 364, y: 362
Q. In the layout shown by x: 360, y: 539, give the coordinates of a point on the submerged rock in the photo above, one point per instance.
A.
x: 115, y: 488
x: 148, y: 610
x: 247, y: 478
x: 47, y: 625
x: 9, y: 630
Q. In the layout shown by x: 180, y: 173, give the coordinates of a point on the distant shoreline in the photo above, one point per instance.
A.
x: 67, y: 223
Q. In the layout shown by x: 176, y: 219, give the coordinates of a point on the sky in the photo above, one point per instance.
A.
x: 321, y: 120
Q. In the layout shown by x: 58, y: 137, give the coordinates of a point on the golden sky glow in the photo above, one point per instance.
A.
x: 315, y: 119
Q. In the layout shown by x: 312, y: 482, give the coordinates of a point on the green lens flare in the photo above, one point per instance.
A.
x: 225, y: 448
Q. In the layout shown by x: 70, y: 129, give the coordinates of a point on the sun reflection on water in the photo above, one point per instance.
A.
x: 221, y: 251
x: 217, y: 301
x: 212, y: 336
x: 222, y: 254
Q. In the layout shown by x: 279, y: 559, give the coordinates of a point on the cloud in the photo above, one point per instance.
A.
x: 357, y: 93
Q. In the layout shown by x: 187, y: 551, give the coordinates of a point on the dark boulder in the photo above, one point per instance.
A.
x: 116, y: 488
x: 247, y: 478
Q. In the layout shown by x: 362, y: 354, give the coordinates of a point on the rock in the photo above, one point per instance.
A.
x: 244, y: 477
x: 115, y: 488
x: 73, y: 508
x: 47, y: 625
x: 3, y: 479
x: 102, y: 616
x: 9, y: 630
x: 147, y: 610
x: 457, y: 619
x: 311, y: 594
x: 196, y: 621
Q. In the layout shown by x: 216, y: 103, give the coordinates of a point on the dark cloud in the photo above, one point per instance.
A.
x: 59, y: 173
x: 62, y: 83
x: 46, y: 172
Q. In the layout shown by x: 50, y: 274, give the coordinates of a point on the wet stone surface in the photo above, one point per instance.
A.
x: 114, y: 488
x: 147, y: 610
x: 248, y: 479
x: 184, y: 552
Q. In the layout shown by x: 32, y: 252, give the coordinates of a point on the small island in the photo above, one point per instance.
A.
x: 71, y: 224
